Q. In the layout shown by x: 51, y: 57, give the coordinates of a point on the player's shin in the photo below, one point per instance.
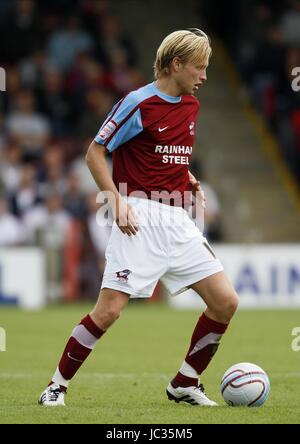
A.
x: 204, y: 344
x: 82, y: 341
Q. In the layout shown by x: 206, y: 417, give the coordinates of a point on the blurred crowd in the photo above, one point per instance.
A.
x: 263, y: 37
x: 269, y: 51
x: 67, y: 62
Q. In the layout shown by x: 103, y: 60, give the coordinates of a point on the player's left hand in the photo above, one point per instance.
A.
x: 197, y: 190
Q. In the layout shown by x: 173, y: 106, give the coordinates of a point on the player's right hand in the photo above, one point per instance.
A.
x: 125, y: 218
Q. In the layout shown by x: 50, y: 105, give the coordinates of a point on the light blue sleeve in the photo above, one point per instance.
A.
x: 122, y: 124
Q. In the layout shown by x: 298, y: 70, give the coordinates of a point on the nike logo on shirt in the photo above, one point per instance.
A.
x: 162, y: 129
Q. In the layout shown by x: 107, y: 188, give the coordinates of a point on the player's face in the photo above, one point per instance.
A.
x: 191, y: 77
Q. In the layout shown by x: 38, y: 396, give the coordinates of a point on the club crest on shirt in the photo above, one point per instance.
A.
x: 107, y: 130
x: 192, y: 128
x: 122, y: 276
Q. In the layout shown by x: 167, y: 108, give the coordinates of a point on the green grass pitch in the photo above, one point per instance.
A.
x: 124, y: 380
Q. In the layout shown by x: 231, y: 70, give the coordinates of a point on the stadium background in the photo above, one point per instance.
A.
x: 66, y: 63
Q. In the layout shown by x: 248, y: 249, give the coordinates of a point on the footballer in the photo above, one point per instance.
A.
x: 151, y: 134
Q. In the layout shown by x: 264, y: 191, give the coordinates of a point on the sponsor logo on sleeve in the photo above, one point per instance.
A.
x: 107, y: 130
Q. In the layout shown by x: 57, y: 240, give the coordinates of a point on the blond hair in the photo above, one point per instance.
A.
x: 190, y: 46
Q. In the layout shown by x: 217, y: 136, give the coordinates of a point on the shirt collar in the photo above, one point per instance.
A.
x: 164, y: 96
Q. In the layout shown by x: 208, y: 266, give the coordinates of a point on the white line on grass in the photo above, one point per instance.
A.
x: 164, y: 376
x: 285, y: 375
x: 87, y: 375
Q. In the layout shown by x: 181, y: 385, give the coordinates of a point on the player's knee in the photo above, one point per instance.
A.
x: 106, y: 317
x: 230, y: 306
x: 108, y: 308
x: 112, y: 314
x: 226, y: 309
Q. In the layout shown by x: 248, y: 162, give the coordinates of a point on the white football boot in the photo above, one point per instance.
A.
x: 193, y: 395
x: 53, y: 396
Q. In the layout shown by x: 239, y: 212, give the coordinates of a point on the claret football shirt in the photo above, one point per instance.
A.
x: 151, y: 137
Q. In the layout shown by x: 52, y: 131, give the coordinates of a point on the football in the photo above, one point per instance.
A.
x: 245, y: 384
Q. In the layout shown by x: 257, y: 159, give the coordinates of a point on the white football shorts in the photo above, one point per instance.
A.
x: 168, y: 247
